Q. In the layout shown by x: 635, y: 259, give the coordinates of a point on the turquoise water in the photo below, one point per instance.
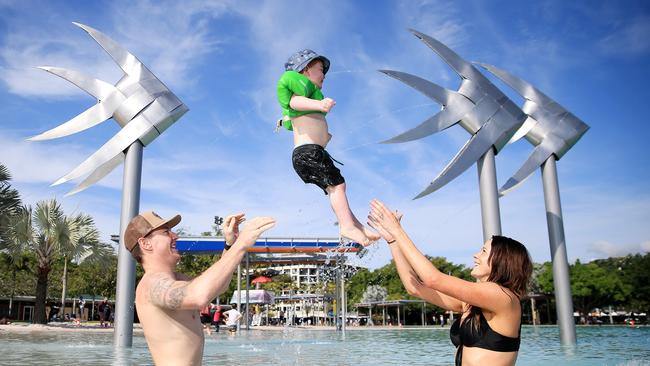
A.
x: 540, y: 346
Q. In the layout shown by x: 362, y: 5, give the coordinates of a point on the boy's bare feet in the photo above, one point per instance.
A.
x: 371, y: 235
x: 355, y: 234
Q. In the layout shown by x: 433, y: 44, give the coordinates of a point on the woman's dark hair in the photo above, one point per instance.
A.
x: 511, y: 268
x: 511, y: 264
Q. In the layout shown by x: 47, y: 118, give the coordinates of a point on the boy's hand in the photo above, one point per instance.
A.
x: 327, y: 104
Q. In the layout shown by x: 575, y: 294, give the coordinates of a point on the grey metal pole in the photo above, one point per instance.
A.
x: 423, y: 314
x: 238, y: 292
x: 487, y: 181
x: 125, y: 291
x: 337, y: 295
x: 247, y: 294
x: 533, y: 310
x: 399, y: 317
x: 344, y: 305
x: 563, y: 301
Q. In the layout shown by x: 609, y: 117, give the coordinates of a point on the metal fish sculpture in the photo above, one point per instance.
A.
x: 139, y: 102
x: 478, y: 106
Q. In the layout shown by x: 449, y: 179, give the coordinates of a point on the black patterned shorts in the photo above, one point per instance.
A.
x: 314, y: 165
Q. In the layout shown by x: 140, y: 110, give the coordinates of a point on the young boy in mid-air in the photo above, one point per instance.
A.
x: 303, y: 110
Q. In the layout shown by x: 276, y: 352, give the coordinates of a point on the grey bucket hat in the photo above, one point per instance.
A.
x: 299, y: 60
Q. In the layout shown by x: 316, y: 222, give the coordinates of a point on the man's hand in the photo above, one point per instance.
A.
x: 253, y: 230
x: 326, y: 105
x: 231, y: 227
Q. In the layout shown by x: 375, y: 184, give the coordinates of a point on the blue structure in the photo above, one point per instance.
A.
x: 208, y: 244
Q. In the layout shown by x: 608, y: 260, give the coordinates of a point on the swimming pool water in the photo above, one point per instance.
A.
x: 606, y: 345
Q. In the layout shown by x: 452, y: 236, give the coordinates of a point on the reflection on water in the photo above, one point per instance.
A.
x: 540, y: 346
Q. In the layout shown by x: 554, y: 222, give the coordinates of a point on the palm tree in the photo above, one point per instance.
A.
x: 81, y: 245
x: 49, y: 234
x: 40, y: 231
x: 9, y: 201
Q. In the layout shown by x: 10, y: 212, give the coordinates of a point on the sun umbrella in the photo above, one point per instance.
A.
x: 261, y: 279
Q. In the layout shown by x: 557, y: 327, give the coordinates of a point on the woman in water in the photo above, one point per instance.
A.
x: 488, y: 332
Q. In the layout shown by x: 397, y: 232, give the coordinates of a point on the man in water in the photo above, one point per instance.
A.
x: 232, y: 318
x: 168, y: 302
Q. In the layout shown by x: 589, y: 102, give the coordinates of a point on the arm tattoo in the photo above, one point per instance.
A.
x: 163, y: 294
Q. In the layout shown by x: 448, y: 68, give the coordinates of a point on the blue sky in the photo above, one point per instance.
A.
x: 223, y: 58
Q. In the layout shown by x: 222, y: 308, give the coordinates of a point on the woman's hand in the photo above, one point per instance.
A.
x: 382, y: 219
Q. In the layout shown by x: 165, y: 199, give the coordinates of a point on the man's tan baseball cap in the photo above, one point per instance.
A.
x: 145, y: 223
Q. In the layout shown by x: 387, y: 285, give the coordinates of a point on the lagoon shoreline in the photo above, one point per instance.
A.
x: 94, y: 327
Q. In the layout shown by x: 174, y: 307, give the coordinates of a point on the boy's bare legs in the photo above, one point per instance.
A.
x: 349, y: 226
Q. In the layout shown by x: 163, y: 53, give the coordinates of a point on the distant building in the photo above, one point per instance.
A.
x: 309, y: 272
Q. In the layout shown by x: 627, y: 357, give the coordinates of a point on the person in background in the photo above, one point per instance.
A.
x: 232, y: 318
x: 103, y: 321
x: 216, y: 318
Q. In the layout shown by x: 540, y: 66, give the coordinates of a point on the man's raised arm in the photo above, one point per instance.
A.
x: 169, y: 293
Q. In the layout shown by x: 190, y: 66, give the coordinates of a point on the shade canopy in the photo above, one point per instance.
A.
x: 254, y: 297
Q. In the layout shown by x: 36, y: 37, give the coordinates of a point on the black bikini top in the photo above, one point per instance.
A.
x: 465, y: 333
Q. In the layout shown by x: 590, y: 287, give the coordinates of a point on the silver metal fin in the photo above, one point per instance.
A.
x: 442, y: 120
x: 463, y: 68
x: 539, y: 155
x: 528, y: 125
x: 99, y: 89
x: 87, y: 119
x: 124, y: 59
x: 116, y: 145
x: 431, y: 90
x: 473, y: 149
x: 98, y: 174
x: 521, y: 86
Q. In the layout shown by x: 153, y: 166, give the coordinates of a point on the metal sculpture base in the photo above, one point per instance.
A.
x: 487, y: 181
x: 125, y: 295
x: 563, y: 300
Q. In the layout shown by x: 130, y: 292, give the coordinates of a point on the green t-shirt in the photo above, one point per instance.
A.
x: 296, y: 83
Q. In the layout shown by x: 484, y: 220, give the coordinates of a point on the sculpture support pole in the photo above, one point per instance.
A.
x: 344, y: 304
x: 125, y: 292
x: 337, y: 294
x: 563, y: 301
x: 248, y: 281
x: 487, y: 181
x: 238, y: 293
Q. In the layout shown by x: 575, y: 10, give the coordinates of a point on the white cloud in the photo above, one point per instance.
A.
x: 176, y: 37
x: 42, y: 163
x: 605, y: 249
x: 630, y: 39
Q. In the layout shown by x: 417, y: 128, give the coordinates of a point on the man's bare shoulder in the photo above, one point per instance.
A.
x: 151, y: 278
x: 161, y: 289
